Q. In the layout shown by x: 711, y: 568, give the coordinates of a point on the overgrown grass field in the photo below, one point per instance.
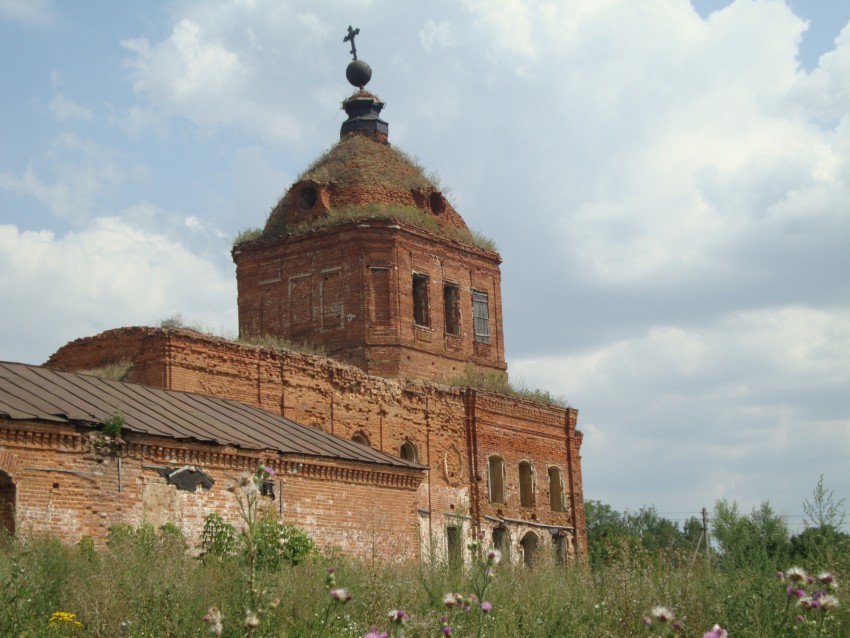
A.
x: 148, y: 583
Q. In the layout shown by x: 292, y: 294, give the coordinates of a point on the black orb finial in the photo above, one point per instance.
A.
x: 358, y: 72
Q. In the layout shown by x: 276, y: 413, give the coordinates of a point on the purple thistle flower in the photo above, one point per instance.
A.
x: 373, y: 633
x: 446, y: 630
x: 486, y: 607
x: 716, y: 632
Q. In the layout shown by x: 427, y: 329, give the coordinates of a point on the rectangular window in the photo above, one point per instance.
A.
x: 481, y: 316
x: 420, y: 300
x: 453, y: 547
x: 451, y: 307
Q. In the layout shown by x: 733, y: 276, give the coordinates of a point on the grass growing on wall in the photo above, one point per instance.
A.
x: 500, y: 383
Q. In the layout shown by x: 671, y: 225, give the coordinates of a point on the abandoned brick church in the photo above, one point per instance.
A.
x: 366, y: 259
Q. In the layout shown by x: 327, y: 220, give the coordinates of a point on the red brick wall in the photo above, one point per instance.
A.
x: 350, y: 291
x: 453, y: 430
x: 65, y: 489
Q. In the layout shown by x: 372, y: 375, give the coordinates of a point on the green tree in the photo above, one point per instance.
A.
x: 759, y: 540
x: 822, y: 544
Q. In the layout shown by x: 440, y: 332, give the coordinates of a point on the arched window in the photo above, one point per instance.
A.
x: 7, y: 503
x: 529, y: 548
x: 496, y: 479
x: 409, y: 451
x: 362, y: 439
x: 526, y: 484
x: 556, y: 490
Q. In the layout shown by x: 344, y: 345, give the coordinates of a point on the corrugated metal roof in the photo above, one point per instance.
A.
x: 42, y: 394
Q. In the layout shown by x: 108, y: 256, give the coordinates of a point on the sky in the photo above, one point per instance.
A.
x: 668, y: 183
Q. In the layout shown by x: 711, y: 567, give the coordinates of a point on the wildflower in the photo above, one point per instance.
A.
x: 828, y: 602
x: 825, y: 578
x: 780, y: 576
x: 373, y: 633
x: 446, y: 630
x: 251, y: 620
x: 486, y: 607
x: 647, y: 620
x: 397, y: 616
x: 797, y: 575
x: 340, y: 595
x: 677, y: 627
x: 662, y: 614
x: 493, y: 557
x: 213, y: 619
x: 716, y: 632
x: 64, y: 618
x: 451, y: 599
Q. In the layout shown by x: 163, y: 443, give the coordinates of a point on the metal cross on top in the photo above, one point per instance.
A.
x: 350, y: 38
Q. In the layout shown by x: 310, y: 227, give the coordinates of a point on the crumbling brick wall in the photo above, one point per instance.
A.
x: 65, y: 488
x: 453, y: 430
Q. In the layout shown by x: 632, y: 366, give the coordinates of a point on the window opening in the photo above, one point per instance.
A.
x: 7, y: 503
x: 409, y: 452
x: 187, y: 478
x: 526, y: 485
x: 496, y: 478
x: 420, y: 300
x: 529, y: 548
x: 451, y: 308
x: 307, y: 197
x: 560, y: 549
x: 453, y: 547
x: 556, y: 490
x: 502, y: 542
x: 362, y: 439
x: 481, y: 316
x: 267, y: 489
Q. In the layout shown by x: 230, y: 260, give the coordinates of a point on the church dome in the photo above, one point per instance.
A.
x: 361, y: 177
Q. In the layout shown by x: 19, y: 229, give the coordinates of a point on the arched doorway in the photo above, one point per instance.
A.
x: 529, y: 548
x: 7, y: 503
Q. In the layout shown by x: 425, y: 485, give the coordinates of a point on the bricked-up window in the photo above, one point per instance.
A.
x: 331, y: 299
x: 451, y: 307
x: 526, y: 484
x: 409, y: 452
x: 420, y: 300
x: 529, y: 548
x: 379, y: 287
x: 362, y: 439
x: 556, y: 490
x: 496, y: 479
x: 481, y: 316
x: 300, y: 303
x: 7, y: 503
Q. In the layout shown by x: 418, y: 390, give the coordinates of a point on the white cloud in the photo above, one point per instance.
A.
x: 111, y: 274
x: 733, y: 395
x: 436, y: 34
x: 70, y: 178
x: 34, y: 13
x: 65, y: 108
